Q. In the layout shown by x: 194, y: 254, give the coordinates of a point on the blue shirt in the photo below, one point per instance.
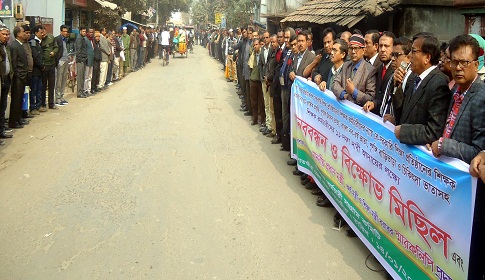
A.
x: 355, y: 67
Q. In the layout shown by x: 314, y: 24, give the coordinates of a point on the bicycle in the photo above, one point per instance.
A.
x: 71, y: 75
x: 165, y: 55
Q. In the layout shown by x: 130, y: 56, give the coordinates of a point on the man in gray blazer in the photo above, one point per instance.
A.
x: 357, y: 81
x: 464, y: 133
x: 427, y: 98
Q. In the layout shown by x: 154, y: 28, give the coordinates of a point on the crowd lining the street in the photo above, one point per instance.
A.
x: 35, y: 66
x: 432, y: 92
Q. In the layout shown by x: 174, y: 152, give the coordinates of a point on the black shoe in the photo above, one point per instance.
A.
x: 276, y: 141
x: 253, y: 122
x: 351, y: 233
x: 305, y: 182
x: 4, y: 135
x: 297, y: 172
x: 304, y: 177
x: 27, y: 116
x: 311, y: 185
x: 247, y: 114
x: 16, y: 126
x: 291, y: 162
x: 243, y: 109
x: 24, y: 122
x: 323, y: 202
x: 317, y: 191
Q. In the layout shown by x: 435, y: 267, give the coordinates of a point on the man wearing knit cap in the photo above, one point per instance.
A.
x: 357, y: 81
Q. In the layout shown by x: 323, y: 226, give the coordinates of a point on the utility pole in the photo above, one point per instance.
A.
x: 156, y: 19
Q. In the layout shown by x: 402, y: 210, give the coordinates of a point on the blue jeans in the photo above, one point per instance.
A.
x: 35, y: 92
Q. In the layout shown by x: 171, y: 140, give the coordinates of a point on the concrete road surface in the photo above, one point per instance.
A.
x: 162, y: 177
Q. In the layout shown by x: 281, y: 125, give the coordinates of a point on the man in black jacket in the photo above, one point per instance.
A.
x: 81, y: 60
x: 6, y: 76
x: 20, y: 67
x: 426, y: 100
x: 36, y: 82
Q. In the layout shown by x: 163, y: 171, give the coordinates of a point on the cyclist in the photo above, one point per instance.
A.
x: 191, y: 40
x: 165, y: 42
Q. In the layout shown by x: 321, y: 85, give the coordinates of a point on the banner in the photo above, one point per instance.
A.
x: 6, y: 8
x: 413, y: 211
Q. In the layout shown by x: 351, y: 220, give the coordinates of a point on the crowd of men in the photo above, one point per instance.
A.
x: 35, y: 66
x: 432, y: 92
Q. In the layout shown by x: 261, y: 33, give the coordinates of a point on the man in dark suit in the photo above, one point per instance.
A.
x: 6, y: 72
x: 385, y: 73
x: 20, y: 69
x: 320, y: 67
x: 357, y: 81
x: 276, y: 85
x: 426, y: 100
x: 37, y: 71
x: 394, y: 98
x: 371, y: 52
x: 302, y: 57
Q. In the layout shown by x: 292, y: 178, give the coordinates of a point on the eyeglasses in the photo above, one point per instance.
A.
x: 293, y: 44
x: 354, y: 49
x: 396, y: 54
x: 461, y: 63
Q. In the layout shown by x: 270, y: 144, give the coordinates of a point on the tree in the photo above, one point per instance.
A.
x: 238, y: 12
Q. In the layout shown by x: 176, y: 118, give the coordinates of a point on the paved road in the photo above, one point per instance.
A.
x: 161, y: 177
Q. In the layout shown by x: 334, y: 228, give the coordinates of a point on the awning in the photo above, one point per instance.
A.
x: 106, y: 4
x: 342, y: 12
x: 129, y: 26
x: 133, y: 23
x: 259, y: 24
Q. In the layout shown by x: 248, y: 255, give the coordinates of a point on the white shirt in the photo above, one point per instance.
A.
x: 425, y: 74
x: 373, y: 59
x: 165, y: 38
x: 265, y: 53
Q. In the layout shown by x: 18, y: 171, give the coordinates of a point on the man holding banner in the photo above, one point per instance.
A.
x: 426, y: 100
x: 357, y: 81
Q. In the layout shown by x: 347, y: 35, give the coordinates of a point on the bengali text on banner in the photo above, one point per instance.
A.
x: 412, y: 211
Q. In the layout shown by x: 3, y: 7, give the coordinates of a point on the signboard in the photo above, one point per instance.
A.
x: 6, y: 8
x: 413, y: 211
x: 218, y: 18
x: 223, y: 21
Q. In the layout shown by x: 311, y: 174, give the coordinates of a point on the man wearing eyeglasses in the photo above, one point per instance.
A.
x: 357, y: 81
x: 464, y: 134
x: 426, y: 100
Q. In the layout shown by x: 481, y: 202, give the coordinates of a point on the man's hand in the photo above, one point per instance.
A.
x: 322, y: 86
x: 389, y: 118
x: 397, y: 132
x: 318, y: 79
x: 399, y: 74
x: 317, y: 59
x: 434, y: 148
x: 349, y: 86
x: 51, y: 54
x: 368, y: 106
x: 477, y: 165
x: 292, y: 76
